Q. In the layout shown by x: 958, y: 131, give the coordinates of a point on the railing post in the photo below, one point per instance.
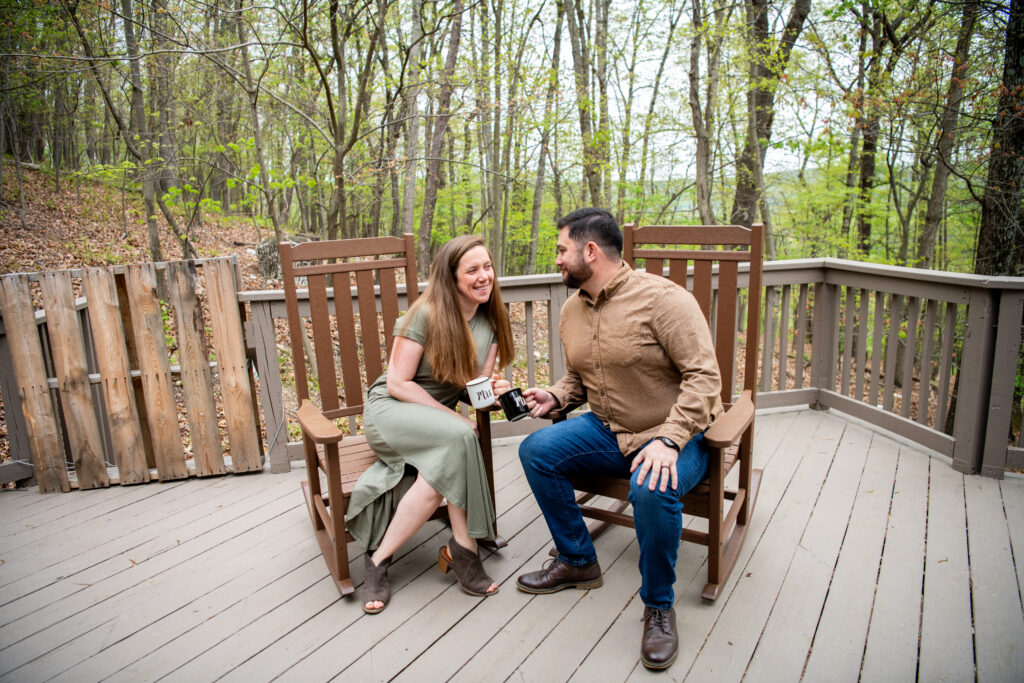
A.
x: 825, y: 331
x: 260, y: 335
x: 975, y: 380
x: 1004, y: 374
x: 558, y: 296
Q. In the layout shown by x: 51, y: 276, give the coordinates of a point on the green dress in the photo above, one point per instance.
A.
x: 438, y: 445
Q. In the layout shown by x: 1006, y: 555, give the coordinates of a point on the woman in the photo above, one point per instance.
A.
x: 452, y: 334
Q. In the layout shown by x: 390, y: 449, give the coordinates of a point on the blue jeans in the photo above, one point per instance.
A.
x: 585, y: 445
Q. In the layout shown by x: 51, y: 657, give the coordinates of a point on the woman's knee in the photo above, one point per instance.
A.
x: 425, y: 491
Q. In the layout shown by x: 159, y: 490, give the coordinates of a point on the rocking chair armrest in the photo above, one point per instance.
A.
x: 316, y: 426
x: 729, y: 427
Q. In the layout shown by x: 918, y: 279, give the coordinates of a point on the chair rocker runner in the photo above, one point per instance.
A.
x: 344, y: 333
x: 714, y: 252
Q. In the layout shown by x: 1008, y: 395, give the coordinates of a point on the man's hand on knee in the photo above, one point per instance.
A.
x: 661, y: 459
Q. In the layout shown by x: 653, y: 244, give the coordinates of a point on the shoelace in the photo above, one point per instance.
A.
x: 549, y: 566
x: 659, y: 621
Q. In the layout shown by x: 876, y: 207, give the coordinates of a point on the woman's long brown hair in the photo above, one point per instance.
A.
x: 449, y: 345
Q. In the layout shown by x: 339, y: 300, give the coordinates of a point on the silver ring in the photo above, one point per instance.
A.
x: 665, y: 467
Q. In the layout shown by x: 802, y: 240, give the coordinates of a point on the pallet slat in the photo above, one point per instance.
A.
x: 27, y: 357
x: 108, y: 334
x: 236, y: 391
x: 196, y: 378
x: 157, y: 388
x: 69, y: 362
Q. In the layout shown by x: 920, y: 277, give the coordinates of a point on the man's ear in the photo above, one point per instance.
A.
x: 590, y: 251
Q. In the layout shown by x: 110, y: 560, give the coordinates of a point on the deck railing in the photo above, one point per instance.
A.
x: 934, y: 357
x: 931, y: 356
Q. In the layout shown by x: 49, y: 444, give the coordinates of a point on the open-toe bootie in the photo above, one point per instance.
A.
x: 376, y: 584
x: 468, y: 568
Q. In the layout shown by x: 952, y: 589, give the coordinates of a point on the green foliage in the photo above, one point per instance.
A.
x: 200, y: 133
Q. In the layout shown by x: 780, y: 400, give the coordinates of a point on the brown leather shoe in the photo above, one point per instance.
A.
x: 660, y: 644
x: 557, y: 575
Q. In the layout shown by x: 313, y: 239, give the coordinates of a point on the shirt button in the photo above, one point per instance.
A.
x: 597, y: 365
x: 595, y: 336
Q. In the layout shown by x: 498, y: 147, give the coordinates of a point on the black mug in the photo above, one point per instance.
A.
x: 514, y: 405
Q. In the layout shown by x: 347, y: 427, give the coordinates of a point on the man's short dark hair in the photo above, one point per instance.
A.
x: 591, y: 224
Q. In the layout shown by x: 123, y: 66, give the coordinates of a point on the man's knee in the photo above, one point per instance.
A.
x: 532, y: 447
x: 641, y: 496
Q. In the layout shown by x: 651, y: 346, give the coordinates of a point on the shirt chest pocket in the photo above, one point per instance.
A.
x: 621, y: 345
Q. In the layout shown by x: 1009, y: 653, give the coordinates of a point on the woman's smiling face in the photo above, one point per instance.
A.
x: 474, y: 278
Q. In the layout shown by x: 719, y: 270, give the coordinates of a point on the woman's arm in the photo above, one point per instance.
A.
x: 499, y: 384
x: 405, y: 358
x: 492, y: 355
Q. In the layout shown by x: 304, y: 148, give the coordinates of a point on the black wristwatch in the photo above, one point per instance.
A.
x: 669, y: 442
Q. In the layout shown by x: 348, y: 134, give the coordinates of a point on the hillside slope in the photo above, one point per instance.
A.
x: 96, y: 225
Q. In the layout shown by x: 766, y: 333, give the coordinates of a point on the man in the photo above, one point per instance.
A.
x: 639, y: 351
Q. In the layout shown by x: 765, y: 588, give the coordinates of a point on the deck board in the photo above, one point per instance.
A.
x: 891, y: 648
x: 736, y: 632
x: 859, y: 546
x: 1012, y: 493
x: 998, y: 622
x: 782, y: 649
x: 946, y: 651
x: 838, y: 644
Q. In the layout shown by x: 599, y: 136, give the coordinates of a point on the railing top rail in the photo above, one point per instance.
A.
x: 120, y: 268
x: 513, y: 281
x: 900, y: 272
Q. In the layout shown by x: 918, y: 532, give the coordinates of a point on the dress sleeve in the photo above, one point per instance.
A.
x: 413, y: 325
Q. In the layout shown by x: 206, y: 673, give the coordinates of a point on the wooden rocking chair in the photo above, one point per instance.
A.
x: 348, y: 337
x: 730, y: 436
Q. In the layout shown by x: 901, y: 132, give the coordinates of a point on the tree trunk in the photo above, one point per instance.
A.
x: 545, y: 137
x: 6, y: 114
x: 252, y: 92
x: 412, y: 119
x: 624, y: 150
x: 138, y: 127
x: 765, y: 70
x: 507, y: 185
x: 575, y: 22
x: 703, y: 114
x: 437, y: 138
x: 947, y: 133
x: 602, y: 141
x: 161, y: 92
x: 1001, y: 233
x: 494, y: 163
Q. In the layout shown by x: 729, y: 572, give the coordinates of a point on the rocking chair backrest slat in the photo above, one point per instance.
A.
x: 725, y: 333
x: 348, y: 346
x: 320, y: 320
x: 350, y: 343
x: 371, y: 332
x: 388, y: 304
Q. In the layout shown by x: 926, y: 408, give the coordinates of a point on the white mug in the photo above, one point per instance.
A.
x: 481, y: 393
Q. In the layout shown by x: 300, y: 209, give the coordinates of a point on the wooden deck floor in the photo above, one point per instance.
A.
x: 866, y: 558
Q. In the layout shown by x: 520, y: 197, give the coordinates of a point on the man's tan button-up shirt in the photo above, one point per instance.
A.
x: 641, y: 354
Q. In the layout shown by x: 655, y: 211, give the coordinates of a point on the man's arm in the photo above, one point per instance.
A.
x: 683, y: 332
x: 568, y: 390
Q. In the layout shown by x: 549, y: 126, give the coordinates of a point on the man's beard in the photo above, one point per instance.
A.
x: 577, y: 273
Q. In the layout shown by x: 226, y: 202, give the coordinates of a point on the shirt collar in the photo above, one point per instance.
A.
x: 610, y: 287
